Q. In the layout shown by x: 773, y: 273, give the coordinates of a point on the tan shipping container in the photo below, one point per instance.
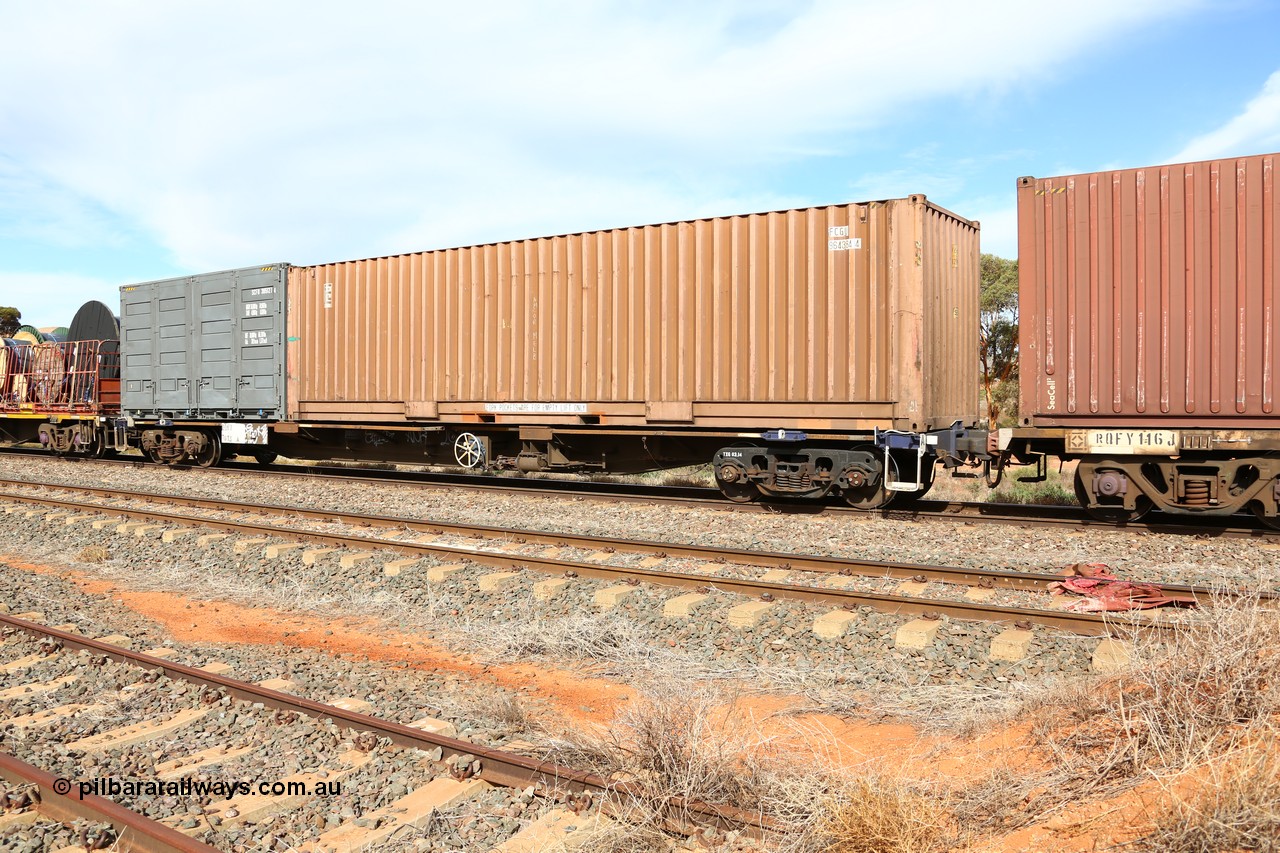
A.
x: 841, y: 317
x: 1147, y: 296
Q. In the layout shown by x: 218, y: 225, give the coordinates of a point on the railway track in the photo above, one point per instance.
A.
x: 759, y: 575
x: 453, y: 771
x: 924, y: 509
x: 40, y: 794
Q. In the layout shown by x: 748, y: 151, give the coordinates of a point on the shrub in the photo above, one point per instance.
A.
x: 876, y: 815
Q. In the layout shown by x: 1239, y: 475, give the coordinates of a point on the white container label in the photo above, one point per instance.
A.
x: 844, y: 245
x: 244, y: 433
x: 838, y: 231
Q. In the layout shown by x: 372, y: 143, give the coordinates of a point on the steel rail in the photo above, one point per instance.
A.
x: 985, y: 578
x: 923, y: 509
x: 1085, y: 624
x: 591, y: 489
x: 499, y: 767
x: 134, y: 832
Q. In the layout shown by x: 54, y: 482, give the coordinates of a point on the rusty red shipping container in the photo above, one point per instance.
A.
x: 1147, y: 296
x: 840, y: 317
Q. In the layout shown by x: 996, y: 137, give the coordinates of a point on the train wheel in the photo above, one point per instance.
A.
x: 265, y: 457
x: 740, y: 492
x: 1110, y: 514
x: 212, y: 453
x: 1272, y: 521
x: 731, y: 479
x: 869, y: 497
x: 468, y: 449
x: 98, y: 447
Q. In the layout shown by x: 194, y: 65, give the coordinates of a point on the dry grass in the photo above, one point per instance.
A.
x: 999, y: 801
x: 678, y: 744
x: 1235, y: 806
x: 94, y: 554
x: 877, y: 815
x: 681, y: 744
x: 959, y: 710
x: 1212, y: 686
x: 591, y: 637
x: 496, y: 707
x: 1213, y: 689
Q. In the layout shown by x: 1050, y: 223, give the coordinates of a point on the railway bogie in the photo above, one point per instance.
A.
x: 86, y: 437
x: 171, y: 446
x: 1129, y: 486
x: 1178, y: 472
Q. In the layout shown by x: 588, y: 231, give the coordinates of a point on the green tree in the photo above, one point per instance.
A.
x: 998, y: 338
x: 10, y: 321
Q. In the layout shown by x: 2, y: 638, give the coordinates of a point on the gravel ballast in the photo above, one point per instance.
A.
x: 1136, y: 555
x: 513, y: 624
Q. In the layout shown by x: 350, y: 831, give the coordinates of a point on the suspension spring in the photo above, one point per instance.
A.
x: 1195, y: 492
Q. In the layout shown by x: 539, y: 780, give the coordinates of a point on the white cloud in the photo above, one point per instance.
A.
x: 1256, y: 130
x: 36, y: 209
x: 243, y: 131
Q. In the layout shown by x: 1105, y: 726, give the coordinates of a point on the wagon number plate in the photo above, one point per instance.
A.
x: 1158, y: 442
x: 244, y: 433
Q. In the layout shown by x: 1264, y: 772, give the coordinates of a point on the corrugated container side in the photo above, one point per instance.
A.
x: 949, y: 367
x: 737, y: 320
x: 1148, y: 295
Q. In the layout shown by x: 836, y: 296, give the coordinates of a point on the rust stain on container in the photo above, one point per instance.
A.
x: 1166, y: 277
x: 838, y: 317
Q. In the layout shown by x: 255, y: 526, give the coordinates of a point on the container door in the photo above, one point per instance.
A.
x: 171, y: 308
x: 259, y: 340
x: 212, y: 349
x: 137, y: 349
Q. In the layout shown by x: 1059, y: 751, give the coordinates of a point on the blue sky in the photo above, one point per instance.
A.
x: 142, y: 140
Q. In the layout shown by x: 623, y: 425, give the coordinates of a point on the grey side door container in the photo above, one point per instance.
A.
x: 205, y: 347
